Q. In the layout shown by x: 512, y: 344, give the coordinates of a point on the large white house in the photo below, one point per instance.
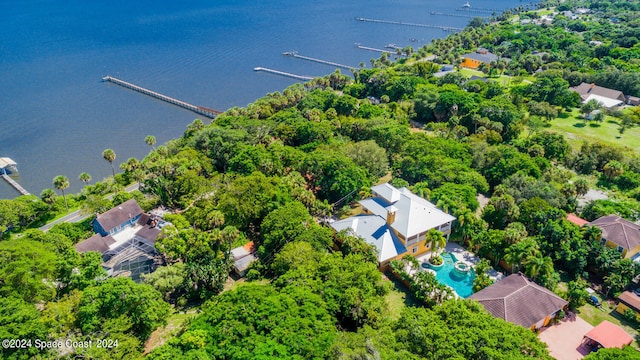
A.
x: 396, y: 222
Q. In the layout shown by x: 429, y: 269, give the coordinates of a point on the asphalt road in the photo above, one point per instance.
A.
x: 77, y: 216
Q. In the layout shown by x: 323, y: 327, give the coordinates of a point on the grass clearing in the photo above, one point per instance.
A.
x: 395, y: 302
x: 175, y: 324
x: 576, y: 131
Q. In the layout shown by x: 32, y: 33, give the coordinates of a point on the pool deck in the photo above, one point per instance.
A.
x: 463, y: 255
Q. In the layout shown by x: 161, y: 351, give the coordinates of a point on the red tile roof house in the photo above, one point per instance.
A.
x: 575, y: 219
x: 519, y: 300
x: 125, y: 236
x: 607, y: 335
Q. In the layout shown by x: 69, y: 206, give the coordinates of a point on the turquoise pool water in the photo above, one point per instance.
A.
x: 461, y: 283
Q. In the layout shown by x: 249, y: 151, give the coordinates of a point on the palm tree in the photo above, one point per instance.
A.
x: 151, y: 141
x: 436, y: 240
x: 582, y: 186
x: 613, y: 168
x: 537, y: 267
x: 518, y: 253
x: 48, y: 196
x: 61, y: 182
x: 110, y: 155
x: 85, y: 177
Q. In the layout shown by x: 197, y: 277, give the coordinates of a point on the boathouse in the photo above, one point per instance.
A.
x: 7, y: 165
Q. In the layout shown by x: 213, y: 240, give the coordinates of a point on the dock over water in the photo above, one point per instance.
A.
x: 445, y: 28
x: 375, y: 49
x: 15, y: 185
x: 296, y: 55
x: 210, y: 113
x: 278, y: 72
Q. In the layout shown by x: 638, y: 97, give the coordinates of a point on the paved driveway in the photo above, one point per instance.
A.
x: 564, y: 339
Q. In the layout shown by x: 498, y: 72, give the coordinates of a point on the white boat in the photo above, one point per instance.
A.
x: 466, y: 5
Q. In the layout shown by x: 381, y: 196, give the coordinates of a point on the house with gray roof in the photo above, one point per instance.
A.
x: 396, y: 222
x: 519, y: 300
x: 620, y: 234
x: 125, y: 237
x: 606, y: 97
x: 481, y: 55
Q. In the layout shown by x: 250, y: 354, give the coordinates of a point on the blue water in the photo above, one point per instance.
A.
x: 461, y: 283
x: 57, y: 116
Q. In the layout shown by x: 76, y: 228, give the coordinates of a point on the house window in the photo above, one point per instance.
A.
x: 414, y: 250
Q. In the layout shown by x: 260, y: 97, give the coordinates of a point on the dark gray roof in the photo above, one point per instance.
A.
x: 149, y: 233
x: 519, y: 300
x: 585, y: 90
x: 119, y: 214
x: 485, y: 57
x: 619, y: 231
x: 97, y: 243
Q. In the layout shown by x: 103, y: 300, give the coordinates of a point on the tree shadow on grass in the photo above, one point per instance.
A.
x: 409, y: 299
x: 564, y: 115
x: 594, y: 125
x: 579, y: 125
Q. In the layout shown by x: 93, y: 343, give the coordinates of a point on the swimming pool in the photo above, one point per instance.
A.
x: 462, y: 283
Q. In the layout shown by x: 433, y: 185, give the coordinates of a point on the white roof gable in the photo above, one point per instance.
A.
x: 604, y: 101
x: 387, y: 192
x: 374, y: 230
x: 416, y: 215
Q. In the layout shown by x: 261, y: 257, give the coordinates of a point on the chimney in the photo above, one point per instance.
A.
x: 354, y: 224
x: 591, y: 87
x: 391, y: 214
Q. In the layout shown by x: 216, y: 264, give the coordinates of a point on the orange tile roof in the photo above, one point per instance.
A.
x: 249, y: 247
x: 576, y: 219
x: 609, y: 335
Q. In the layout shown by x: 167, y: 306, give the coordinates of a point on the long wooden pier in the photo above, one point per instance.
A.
x: 445, y: 28
x: 278, y: 72
x: 15, y: 185
x: 375, y: 49
x: 479, y: 10
x: 455, y: 15
x: 331, y: 63
x: 211, y: 113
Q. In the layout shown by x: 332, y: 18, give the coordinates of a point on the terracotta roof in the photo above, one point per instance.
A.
x: 609, y: 335
x: 519, y: 300
x: 119, y: 214
x: 630, y: 299
x: 95, y: 243
x: 619, y: 231
x: 585, y: 90
x: 576, y: 219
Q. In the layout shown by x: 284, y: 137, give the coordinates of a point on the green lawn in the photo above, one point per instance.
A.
x: 573, y: 127
x: 595, y: 316
x: 398, y: 298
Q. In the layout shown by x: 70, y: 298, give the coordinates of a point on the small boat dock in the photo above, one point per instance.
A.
x: 7, y: 166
